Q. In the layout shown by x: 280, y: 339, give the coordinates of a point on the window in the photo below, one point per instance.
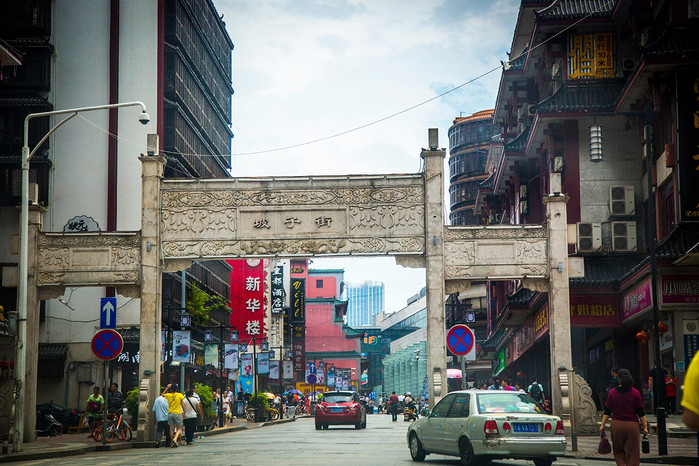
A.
x: 460, y: 407
x: 319, y: 283
x: 442, y: 407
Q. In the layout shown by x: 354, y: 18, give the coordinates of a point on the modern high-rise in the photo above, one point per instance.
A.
x: 365, y: 300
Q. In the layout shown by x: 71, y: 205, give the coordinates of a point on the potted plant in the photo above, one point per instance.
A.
x: 206, y: 397
x: 258, y: 401
x: 131, y: 403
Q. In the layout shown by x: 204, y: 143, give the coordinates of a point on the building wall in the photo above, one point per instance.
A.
x: 364, y: 301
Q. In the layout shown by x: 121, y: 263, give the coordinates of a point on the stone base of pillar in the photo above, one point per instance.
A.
x: 145, y: 431
x: 578, y: 408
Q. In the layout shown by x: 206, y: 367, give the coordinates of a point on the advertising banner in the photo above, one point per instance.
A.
x: 298, y: 349
x: 636, y: 300
x: 181, y: 344
x: 263, y: 363
x: 163, y: 339
x: 331, y: 380
x: 211, y: 355
x: 688, y: 141
x: 288, y: 370
x: 298, y: 301
x: 245, y: 383
x: 274, y: 369
x: 247, y: 298
x: 246, y: 364
x: 277, y: 289
x: 679, y: 289
x: 594, y: 311
x: 230, y: 358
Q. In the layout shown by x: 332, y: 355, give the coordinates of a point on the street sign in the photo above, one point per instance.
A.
x: 312, y: 367
x: 460, y: 340
x: 107, y: 344
x: 311, y: 378
x: 108, y: 313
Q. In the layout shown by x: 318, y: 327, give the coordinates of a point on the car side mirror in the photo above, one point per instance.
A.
x: 425, y: 412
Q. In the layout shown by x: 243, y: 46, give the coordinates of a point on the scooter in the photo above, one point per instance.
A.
x: 46, y: 424
x: 409, y: 414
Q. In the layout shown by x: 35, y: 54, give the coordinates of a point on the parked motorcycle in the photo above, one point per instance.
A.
x: 46, y: 424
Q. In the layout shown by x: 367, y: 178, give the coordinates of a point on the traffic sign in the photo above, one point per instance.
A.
x: 311, y: 378
x: 107, y: 344
x: 461, y: 341
x: 108, y: 313
x: 312, y: 368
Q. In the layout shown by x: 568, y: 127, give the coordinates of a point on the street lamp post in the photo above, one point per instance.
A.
x: 27, y: 154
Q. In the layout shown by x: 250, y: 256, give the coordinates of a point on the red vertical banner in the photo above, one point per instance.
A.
x: 248, y: 305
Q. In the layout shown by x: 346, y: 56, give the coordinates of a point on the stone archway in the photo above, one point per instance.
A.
x: 399, y: 215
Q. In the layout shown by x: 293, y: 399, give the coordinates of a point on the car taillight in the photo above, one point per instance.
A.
x: 354, y: 407
x: 320, y: 407
x: 559, y: 428
x: 547, y: 428
x: 490, y: 428
x: 506, y: 427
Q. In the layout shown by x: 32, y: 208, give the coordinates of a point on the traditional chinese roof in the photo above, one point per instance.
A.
x: 52, y: 350
x: 674, y: 42
x: 25, y: 101
x: 517, y: 63
x: 37, y: 159
x: 492, y: 343
x: 588, y: 96
x: 488, y: 183
x: 130, y: 334
x: 521, y: 297
x: 604, y: 271
x: 519, y: 143
x: 671, y: 248
x: 573, y: 9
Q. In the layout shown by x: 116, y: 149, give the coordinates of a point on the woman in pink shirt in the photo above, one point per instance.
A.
x: 625, y: 406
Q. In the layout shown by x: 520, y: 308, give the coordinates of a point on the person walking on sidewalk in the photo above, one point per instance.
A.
x: 174, y: 411
x: 192, y: 407
x: 394, y: 400
x: 160, y: 408
x: 670, y: 390
x: 625, y: 406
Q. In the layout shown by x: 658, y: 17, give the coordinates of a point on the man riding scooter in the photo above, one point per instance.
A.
x: 409, y: 411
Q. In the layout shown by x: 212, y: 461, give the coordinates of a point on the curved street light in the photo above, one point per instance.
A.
x: 27, y: 154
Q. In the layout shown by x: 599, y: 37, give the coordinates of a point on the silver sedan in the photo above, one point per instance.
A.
x: 488, y: 424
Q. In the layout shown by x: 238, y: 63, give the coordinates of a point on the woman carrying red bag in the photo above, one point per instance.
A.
x: 625, y: 406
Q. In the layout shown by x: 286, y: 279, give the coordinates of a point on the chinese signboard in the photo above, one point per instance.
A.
x: 541, y: 322
x: 298, y: 300
x: 688, y: 144
x: 679, y: 289
x: 247, y: 298
x: 593, y: 311
x: 277, y: 289
x: 636, y: 300
x: 298, y: 349
x: 591, y: 56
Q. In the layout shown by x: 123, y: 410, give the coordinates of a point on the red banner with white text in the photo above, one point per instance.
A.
x: 248, y: 303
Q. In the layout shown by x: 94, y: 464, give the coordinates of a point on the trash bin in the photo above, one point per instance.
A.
x: 291, y: 412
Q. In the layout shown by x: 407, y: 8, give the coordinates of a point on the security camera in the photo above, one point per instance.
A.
x: 144, y: 118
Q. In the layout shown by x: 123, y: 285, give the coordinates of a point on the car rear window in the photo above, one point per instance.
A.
x: 337, y: 398
x: 507, y: 402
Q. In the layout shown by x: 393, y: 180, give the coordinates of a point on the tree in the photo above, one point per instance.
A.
x: 201, y: 305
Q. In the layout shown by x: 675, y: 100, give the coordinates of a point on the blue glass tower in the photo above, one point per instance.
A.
x: 364, y: 301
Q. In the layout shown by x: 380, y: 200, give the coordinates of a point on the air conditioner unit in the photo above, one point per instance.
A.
x: 624, y: 236
x: 589, y: 237
x: 523, y: 191
x: 621, y: 200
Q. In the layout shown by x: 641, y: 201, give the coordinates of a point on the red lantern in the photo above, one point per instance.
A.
x: 663, y: 327
x: 643, y: 336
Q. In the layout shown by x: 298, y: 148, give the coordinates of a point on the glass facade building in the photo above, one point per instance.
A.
x: 364, y: 301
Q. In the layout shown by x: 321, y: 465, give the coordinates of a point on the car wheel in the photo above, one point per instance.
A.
x: 416, y: 451
x: 466, y: 453
x: 543, y: 462
x: 364, y: 424
x: 326, y: 426
x: 318, y: 426
x: 358, y: 425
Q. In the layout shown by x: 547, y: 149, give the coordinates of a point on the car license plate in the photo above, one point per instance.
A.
x: 521, y: 427
x: 335, y: 410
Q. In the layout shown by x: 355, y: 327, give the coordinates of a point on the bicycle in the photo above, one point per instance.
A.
x: 272, y: 414
x: 96, y: 430
x: 118, y: 427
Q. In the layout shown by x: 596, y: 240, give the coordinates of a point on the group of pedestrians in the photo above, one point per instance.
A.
x: 95, y: 404
x: 173, y: 411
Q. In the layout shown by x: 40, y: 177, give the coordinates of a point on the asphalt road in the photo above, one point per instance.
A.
x: 295, y: 443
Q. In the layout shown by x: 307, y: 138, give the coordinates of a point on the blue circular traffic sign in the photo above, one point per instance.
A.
x: 312, y: 378
x: 460, y: 340
x: 107, y: 344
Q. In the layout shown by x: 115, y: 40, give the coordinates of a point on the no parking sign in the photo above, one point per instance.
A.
x: 462, y: 342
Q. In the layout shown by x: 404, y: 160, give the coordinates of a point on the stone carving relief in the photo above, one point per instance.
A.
x: 394, y: 218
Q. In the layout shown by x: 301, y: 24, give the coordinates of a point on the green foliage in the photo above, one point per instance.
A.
x: 131, y: 401
x: 206, y: 397
x: 201, y: 305
x: 258, y: 400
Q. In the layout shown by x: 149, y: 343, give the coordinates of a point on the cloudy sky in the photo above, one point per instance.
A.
x: 331, y: 87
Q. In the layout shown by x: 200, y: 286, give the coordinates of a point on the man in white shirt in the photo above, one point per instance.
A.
x: 160, y: 408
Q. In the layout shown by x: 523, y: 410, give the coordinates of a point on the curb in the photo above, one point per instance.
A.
x: 677, y: 460
x: 82, y: 449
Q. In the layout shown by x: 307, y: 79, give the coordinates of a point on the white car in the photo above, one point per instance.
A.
x: 488, y: 424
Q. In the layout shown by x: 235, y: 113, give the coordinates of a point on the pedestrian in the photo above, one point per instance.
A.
x: 656, y: 383
x: 536, y: 391
x: 394, y: 400
x: 93, y: 410
x: 160, y: 408
x: 690, y: 395
x: 614, y: 381
x: 495, y: 385
x: 192, y: 408
x: 504, y: 385
x: 174, y: 412
x: 115, y: 399
x: 670, y: 391
x: 625, y: 406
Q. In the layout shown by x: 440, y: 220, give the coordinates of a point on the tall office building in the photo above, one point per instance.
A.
x: 365, y: 300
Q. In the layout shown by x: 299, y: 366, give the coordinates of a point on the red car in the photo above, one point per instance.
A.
x: 340, y: 408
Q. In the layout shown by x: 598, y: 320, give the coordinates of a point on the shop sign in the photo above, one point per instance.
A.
x: 591, y: 56
x: 298, y: 300
x: 298, y: 349
x: 277, y: 289
x: 691, y: 339
x: 541, y: 322
x: 298, y: 266
x: 522, y: 340
x: 307, y: 388
x: 688, y: 141
x: 130, y: 354
x: 248, y: 301
x: 593, y: 311
x: 679, y: 289
x: 636, y: 300
x: 501, y: 362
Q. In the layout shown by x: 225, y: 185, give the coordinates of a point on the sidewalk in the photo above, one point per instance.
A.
x: 78, y: 444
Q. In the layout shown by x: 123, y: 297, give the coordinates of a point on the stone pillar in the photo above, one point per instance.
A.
x: 151, y: 295
x: 36, y: 214
x: 558, y: 293
x: 434, y: 264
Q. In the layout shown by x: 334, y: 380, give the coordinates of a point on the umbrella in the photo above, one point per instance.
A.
x: 453, y: 373
x: 269, y: 395
x: 293, y: 390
